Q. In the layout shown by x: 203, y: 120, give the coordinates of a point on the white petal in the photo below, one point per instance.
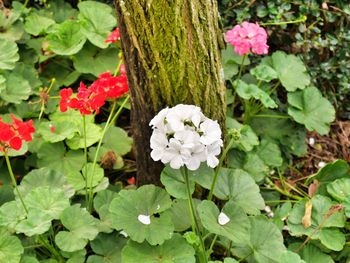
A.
x: 193, y: 164
x: 144, y: 219
x: 123, y: 233
x: 223, y: 219
x: 212, y: 161
x: 157, y: 154
x: 176, y: 162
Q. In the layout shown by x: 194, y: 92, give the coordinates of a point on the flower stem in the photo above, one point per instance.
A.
x: 110, y: 120
x: 14, y: 180
x: 195, y: 226
x: 212, y: 244
x: 299, y: 20
x: 86, y: 161
x: 222, y: 158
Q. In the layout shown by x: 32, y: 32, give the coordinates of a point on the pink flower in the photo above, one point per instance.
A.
x: 248, y: 37
x: 113, y: 37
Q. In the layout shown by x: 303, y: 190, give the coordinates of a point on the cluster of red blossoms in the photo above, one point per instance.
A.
x: 113, y: 37
x: 12, y: 135
x: 91, y: 99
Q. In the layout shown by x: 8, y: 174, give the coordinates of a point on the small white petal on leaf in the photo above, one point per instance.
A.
x: 144, y: 219
x: 223, y: 219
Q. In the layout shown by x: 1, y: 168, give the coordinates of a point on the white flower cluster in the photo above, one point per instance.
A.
x: 182, y: 135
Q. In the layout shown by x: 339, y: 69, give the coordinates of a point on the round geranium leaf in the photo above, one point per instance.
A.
x: 8, y: 54
x: 102, y: 202
x: 139, y: 214
x: 175, y: 250
x: 231, y: 222
x: 66, y: 38
x: 108, y: 248
x: 264, y: 243
x: 339, y: 189
x: 11, y: 213
x: 45, y: 177
x: 11, y: 248
x: 82, y: 228
x: 240, y: 187
x: 36, y: 223
x: 174, y: 182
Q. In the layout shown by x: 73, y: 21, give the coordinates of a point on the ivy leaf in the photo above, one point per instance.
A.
x: 291, y: 71
x: 174, y: 250
x: 238, y: 186
x: 82, y: 227
x: 36, y: 24
x: 264, y: 243
x: 108, y: 248
x: 248, y: 91
x: 11, y: 248
x: 174, y: 183
x: 17, y: 89
x: 264, y: 72
x: 8, y: 54
x: 308, y: 107
x: 97, y: 21
x: 327, y: 232
x: 96, y: 61
x: 133, y: 211
x: 45, y: 177
x: 66, y: 38
x: 54, y: 156
x: 236, y: 225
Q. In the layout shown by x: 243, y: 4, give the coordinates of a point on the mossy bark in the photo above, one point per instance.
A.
x: 172, y: 54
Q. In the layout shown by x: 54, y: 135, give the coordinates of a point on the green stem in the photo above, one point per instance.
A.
x: 222, y: 158
x: 228, y: 251
x: 86, y: 162
x: 212, y: 244
x: 196, y: 230
x: 118, y: 68
x: 14, y: 182
x: 50, y: 248
x: 241, y: 67
x: 283, y: 192
x: 121, y: 107
x: 299, y: 20
x: 26, y: 3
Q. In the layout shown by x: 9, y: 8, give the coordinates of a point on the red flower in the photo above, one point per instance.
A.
x: 113, y: 37
x: 65, y: 98
x: 12, y: 135
x: 112, y: 87
x: 131, y: 180
x: 122, y: 69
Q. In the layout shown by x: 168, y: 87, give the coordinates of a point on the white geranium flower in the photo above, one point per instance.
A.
x: 211, y: 131
x: 182, y: 135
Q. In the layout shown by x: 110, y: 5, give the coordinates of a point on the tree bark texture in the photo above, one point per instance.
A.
x: 172, y: 55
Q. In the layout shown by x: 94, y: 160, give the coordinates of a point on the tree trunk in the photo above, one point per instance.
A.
x: 172, y: 55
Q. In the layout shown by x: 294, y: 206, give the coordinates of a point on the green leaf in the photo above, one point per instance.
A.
x: 308, y: 107
x: 62, y: 70
x: 255, y: 166
x: 181, y: 215
x: 238, y: 186
x: 62, y: 11
x: 247, y: 139
x: 236, y: 229
x: 54, y: 156
x: 311, y: 253
x: 66, y: 38
x: 37, y: 25
x: 270, y: 153
x: 56, y: 131
x: 82, y: 227
x: 327, y: 232
x: 96, y: 61
x: 174, y: 182
x: 97, y: 21
x: 11, y: 213
x: 45, y: 177
x: 11, y: 248
x: 107, y: 247
x: 29, y: 73
x: 331, y: 171
x: 117, y: 140
x: 248, y: 91
x: 291, y: 71
x: 36, y: 223
x: 8, y: 54
x: 175, y: 250
x: 264, y: 243
x: 102, y: 202
x: 264, y: 72
x: 76, y: 179
x: 130, y: 207
x: 93, y: 135
x: 290, y: 257
x: 339, y: 189
x: 17, y: 89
